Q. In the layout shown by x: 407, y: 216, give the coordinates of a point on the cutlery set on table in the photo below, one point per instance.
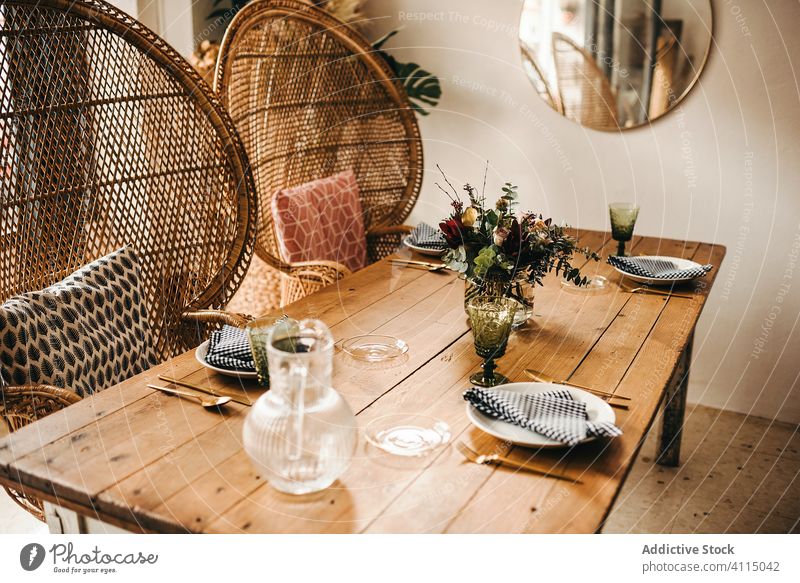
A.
x: 417, y: 264
x: 208, y: 397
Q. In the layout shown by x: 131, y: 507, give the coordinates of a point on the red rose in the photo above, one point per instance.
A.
x: 515, y: 240
x: 452, y: 229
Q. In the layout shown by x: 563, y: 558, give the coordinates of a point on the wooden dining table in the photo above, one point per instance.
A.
x: 134, y: 459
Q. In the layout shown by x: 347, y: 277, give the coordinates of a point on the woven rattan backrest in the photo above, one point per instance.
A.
x: 585, y: 93
x: 539, y: 80
x: 310, y: 97
x: 109, y: 139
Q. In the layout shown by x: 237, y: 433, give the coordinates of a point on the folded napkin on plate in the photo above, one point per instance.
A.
x: 554, y: 414
x: 229, y: 348
x: 426, y: 236
x: 656, y: 268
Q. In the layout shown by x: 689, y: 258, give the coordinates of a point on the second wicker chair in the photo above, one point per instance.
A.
x: 310, y: 97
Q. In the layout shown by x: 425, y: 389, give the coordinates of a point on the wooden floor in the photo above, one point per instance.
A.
x: 739, y: 474
x: 13, y: 519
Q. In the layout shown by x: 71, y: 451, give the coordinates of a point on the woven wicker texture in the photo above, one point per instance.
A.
x: 113, y: 141
x: 110, y: 138
x: 539, y: 80
x: 23, y: 405
x: 584, y: 91
x: 311, y: 98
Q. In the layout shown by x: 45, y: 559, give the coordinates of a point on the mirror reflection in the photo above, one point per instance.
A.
x: 614, y: 64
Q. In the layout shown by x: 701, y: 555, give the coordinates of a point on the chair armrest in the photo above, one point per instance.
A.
x: 380, y: 231
x: 25, y: 404
x: 325, y: 272
x: 217, y: 317
x: 21, y: 406
x: 306, y: 277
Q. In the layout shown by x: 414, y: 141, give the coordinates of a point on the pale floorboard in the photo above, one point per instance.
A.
x: 13, y: 519
x: 738, y: 474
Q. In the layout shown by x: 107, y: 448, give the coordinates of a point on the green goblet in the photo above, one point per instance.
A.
x: 258, y: 334
x: 623, y: 219
x: 491, y: 319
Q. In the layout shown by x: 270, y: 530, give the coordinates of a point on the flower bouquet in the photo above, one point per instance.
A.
x: 501, y: 251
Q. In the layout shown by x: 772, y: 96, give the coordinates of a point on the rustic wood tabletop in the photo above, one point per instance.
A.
x: 145, y: 461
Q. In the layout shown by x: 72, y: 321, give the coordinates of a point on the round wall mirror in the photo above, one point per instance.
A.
x: 614, y: 64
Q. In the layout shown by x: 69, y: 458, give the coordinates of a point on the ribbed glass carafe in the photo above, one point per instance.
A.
x: 301, y: 434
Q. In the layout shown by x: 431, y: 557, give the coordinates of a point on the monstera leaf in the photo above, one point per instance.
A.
x: 421, y: 86
x: 226, y: 14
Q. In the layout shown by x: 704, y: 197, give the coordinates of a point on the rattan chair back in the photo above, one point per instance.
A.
x: 539, y: 79
x: 585, y: 94
x: 110, y: 138
x: 310, y: 97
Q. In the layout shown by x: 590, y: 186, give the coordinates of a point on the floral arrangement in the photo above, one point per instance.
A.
x: 499, y: 244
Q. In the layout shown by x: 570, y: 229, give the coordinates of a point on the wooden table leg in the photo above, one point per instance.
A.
x: 669, y: 439
x: 62, y: 520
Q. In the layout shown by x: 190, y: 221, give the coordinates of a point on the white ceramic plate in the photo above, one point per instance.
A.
x: 200, y: 354
x: 596, y: 408
x: 679, y: 264
x: 423, y: 250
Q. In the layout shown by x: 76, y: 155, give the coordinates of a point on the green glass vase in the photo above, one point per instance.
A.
x: 518, y: 289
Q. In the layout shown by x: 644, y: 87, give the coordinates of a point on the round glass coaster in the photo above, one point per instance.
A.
x: 374, y: 347
x: 407, y: 434
x: 597, y: 284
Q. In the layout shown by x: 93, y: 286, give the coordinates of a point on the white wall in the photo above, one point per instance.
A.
x: 171, y: 19
x: 724, y: 167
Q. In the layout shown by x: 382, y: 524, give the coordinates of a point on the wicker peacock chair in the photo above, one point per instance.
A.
x: 539, y: 80
x: 584, y: 91
x: 310, y: 97
x: 109, y: 139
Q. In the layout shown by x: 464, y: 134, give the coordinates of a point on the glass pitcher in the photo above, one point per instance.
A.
x: 301, y: 434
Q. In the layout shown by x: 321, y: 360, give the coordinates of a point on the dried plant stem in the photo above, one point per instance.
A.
x: 439, y: 186
x: 447, y: 181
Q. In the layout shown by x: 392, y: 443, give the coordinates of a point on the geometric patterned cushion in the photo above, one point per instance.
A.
x: 321, y: 220
x: 85, y: 333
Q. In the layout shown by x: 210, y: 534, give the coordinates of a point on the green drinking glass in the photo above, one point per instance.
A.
x: 258, y: 334
x: 623, y: 218
x: 491, y: 319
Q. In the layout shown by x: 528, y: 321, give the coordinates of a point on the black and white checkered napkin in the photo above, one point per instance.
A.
x: 656, y: 268
x: 229, y: 349
x: 554, y: 414
x: 426, y: 236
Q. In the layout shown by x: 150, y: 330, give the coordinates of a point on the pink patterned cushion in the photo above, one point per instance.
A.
x: 321, y: 220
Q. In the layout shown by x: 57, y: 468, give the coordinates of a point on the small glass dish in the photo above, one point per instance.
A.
x: 374, y: 347
x: 407, y: 434
x: 597, y: 284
